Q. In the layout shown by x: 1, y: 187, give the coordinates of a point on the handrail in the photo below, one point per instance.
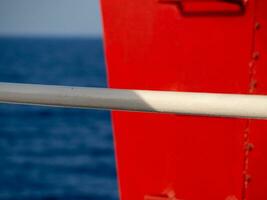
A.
x: 185, y: 103
x: 209, y: 9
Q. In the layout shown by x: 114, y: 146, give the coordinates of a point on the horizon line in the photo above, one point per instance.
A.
x: 50, y: 35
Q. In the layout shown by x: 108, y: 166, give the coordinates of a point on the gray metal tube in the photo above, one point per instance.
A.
x: 208, y: 104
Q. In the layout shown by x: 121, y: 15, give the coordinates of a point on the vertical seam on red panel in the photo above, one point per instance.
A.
x: 252, y: 86
x: 246, y: 175
x: 254, y: 54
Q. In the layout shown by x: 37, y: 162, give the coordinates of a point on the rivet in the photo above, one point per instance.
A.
x: 256, y: 55
x: 249, y: 147
x: 248, y: 178
x: 257, y: 26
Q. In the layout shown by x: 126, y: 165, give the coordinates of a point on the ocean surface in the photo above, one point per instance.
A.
x: 55, y: 153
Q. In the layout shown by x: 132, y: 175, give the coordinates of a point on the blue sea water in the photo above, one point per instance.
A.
x: 55, y: 153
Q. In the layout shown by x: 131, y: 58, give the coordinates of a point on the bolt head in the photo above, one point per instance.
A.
x: 257, y: 26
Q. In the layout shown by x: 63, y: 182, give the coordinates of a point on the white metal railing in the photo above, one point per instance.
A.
x: 208, y: 104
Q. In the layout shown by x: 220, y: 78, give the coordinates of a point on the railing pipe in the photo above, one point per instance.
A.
x: 184, y: 103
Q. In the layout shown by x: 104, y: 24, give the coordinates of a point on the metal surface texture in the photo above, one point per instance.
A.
x: 153, y: 45
x: 185, y: 103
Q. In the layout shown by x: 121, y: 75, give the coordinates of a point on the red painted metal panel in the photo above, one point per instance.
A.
x: 152, y: 44
x: 257, y: 137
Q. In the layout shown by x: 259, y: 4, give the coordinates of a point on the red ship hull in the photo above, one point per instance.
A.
x: 195, y: 47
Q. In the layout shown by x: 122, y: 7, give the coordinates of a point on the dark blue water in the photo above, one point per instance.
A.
x: 55, y: 153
